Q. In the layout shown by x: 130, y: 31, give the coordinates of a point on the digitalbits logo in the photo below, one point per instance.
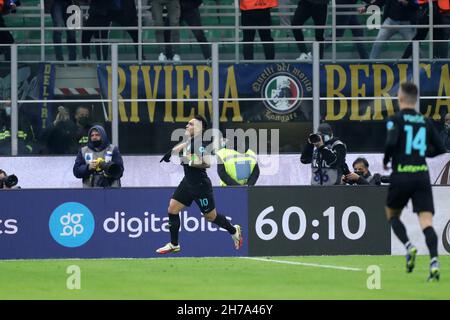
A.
x: 72, y: 224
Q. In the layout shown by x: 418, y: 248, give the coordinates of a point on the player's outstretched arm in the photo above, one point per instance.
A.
x: 179, y: 147
x: 174, y: 150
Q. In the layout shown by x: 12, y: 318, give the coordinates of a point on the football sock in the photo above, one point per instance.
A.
x: 222, y: 222
x: 174, y: 227
x: 408, y: 245
x: 432, y: 241
x: 399, y: 230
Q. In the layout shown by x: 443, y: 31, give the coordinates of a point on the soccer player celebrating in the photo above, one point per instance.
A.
x: 195, y: 186
x: 410, y: 138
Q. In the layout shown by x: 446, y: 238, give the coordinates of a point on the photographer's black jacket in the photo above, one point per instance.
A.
x: 327, y: 162
x: 368, y: 179
x: 102, y: 7
x: 396, y: 10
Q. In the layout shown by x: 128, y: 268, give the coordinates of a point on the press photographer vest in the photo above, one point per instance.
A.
x: 96, y: 178
x: 327, y: 174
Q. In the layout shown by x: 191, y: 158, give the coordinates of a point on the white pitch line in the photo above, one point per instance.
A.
x: 304, y: 264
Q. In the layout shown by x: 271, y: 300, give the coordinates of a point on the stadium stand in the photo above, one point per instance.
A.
x: 221, y: 23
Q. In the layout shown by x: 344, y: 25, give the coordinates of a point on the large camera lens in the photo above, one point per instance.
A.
x: 385, y: 179
x: 10, y: 181
x: 111, y: 169
x: 314, y: 138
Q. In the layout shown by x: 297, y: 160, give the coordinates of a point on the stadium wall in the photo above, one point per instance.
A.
x: 276, y: 221
x: 147, y: 171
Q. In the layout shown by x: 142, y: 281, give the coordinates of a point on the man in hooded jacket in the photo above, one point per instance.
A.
x: 99, y: 163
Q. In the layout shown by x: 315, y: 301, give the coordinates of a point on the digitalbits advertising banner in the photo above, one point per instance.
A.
x: 125, y: 223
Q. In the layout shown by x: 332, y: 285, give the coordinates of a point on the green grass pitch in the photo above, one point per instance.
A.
x: 223, y: 278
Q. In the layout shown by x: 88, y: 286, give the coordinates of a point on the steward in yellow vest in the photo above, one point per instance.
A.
x: 237, y: 169
x: 25, y: 137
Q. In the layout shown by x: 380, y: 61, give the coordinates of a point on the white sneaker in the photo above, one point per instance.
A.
x: 162, y: 57
x: 305, y: 57
x: 176, y: 58
x: 169, y: 248
x: 237, y: 237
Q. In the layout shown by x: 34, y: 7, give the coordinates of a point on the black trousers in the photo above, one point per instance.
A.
x: 257, y: 18
x: 443, y: 49
x: 304, y: 11
x: 190, y: 14
x: 350, y: 19
x: 104, y: 20
x: 421, y: 34
x: 59, y: 18
x: 5, y: 38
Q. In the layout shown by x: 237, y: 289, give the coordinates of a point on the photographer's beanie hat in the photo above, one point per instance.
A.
x: 325, y: 128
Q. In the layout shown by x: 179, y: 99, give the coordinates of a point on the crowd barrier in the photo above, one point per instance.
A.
x: 147, y: 171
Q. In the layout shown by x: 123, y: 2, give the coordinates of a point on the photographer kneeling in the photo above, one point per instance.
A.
x: 8, y: 182
x: 362, y: 175
x: 326, y: 155
x: 99, y: 163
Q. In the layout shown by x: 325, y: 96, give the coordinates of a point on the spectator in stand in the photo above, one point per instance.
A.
x: 396, y: 13
x: 83, y: 122
x: 6, y: 37
x: 445, y: 134
x: 58, y: 11
x: 283, y: 12
x: 317, y: 10
x: 146, y: 14
x: 101, y: 14
x: 344, y: 17
x: 60, y: 136
x: 442, y: 48
x: 190, y: 14
x: 257, y: 13
x: 423, y: 18
x: 173, y: 14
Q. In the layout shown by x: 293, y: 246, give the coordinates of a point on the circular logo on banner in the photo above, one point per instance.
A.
x: 446, y: 237
x: 71, y: 224
x: 282, y: 93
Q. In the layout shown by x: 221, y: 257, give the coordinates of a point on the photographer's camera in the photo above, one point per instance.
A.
x: 314, y: 138
x: 110, y: 169
x: 8, y: 182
